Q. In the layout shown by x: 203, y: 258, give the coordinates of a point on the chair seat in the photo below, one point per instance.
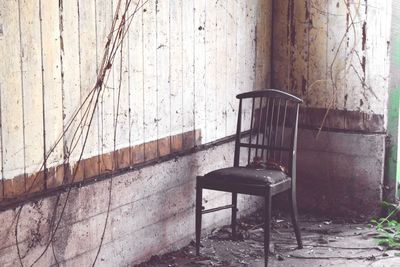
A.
x: 245, y: 175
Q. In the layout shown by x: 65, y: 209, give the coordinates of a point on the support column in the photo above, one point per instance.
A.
x: 391, y: 192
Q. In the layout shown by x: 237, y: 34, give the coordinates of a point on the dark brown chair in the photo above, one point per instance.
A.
x: 267, y: 166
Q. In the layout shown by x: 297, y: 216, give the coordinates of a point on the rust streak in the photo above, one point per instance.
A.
x: 61, y: 21
x: 363, y: 65
x: 364, y: 35
x: 308, y: 15
x: 292, y: 24
x: 304, y: 85
x: 292, y: 43
x: 364, y: 42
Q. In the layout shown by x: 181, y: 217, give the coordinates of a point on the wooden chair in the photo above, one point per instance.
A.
x: 267, y: 166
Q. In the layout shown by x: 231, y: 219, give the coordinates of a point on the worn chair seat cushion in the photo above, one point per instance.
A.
x: 245, y: 175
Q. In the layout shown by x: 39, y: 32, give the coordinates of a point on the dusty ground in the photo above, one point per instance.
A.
x: 326, y: 243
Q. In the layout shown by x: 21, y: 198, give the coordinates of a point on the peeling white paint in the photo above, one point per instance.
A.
x: 182, y: 66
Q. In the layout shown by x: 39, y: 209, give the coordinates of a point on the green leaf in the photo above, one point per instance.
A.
x: 388, y: 229
x: 383, y: 242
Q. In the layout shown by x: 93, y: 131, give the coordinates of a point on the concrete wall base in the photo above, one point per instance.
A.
x: 152, y: 209
x: 152, y: 212
x: 340, y: 174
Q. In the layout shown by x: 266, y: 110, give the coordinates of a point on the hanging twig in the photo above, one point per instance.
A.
x: 332, y: 79
x: 114, y: 42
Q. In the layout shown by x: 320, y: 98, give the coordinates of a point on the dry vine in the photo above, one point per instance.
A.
x: 332, y: 80
x: 115, y: 38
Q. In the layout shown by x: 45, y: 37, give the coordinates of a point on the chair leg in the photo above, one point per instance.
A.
x: 267, y: 225
x: 199, y: 196
x: 234, y: 214
x: 293, y: 202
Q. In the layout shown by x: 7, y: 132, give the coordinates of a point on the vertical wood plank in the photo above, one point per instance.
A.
x: 355, y: 74
x: 378, y: 33
x: 53, y: 115
x: 150, y: 80
x: 211, y: 75
x: 268, y: 32
x: 104, y: 17
x: 32, y: 91
x: 336, y: 57
x: 263, y: 43
x: 175, y: 69
x: 121, y: 101
x: 136, y: 85
x: 87, y: 26
x: 299, y: 24
x: 280, y: 57
x: 200, y: 66
x: 241, y: 50
x: 251, y: 19
x: 163, y: 86
x: 221, y: 69
x: 72, y: 101
x: 120, y: 131
x: 231, y: 78
x: 188, y: 74
x: 318, y: 95
x: 386, y: 32
x: 249, y: 62
x: 11, y: 99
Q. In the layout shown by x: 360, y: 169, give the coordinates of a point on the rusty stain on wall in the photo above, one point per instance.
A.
x: 338, y: 68
x: 60, y: 65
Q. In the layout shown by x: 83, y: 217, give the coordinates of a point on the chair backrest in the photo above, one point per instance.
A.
x: 271, y: 135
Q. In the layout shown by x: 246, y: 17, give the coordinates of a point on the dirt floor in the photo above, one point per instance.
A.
x: 326, y: 243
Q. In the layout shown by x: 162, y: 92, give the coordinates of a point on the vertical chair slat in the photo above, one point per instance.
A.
x: 251, y: 129
x: 265, y: 126
x: 259, y: 124
x: 269, y: 143
x: 283, y: 130
x: 276, y: 127
x: 238, y: 135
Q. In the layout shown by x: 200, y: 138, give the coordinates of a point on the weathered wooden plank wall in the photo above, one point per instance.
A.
x: 172, y: 85
x: 52, y: 91
x: 71, y: 73
x: 104, y: 14
x: 12, y: 122
x: 334, y: 54
x: 31, y: 66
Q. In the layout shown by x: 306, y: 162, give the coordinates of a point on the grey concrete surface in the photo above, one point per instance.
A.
x: 326, y: 243
x: 152, y: 211
x: 339, y: 173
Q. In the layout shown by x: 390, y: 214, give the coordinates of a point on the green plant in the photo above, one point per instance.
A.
x: 389, y: 229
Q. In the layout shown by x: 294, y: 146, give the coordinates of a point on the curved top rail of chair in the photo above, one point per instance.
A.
x: 270, y: 93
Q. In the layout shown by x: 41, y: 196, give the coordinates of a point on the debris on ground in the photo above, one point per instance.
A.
x: 325, y: 243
